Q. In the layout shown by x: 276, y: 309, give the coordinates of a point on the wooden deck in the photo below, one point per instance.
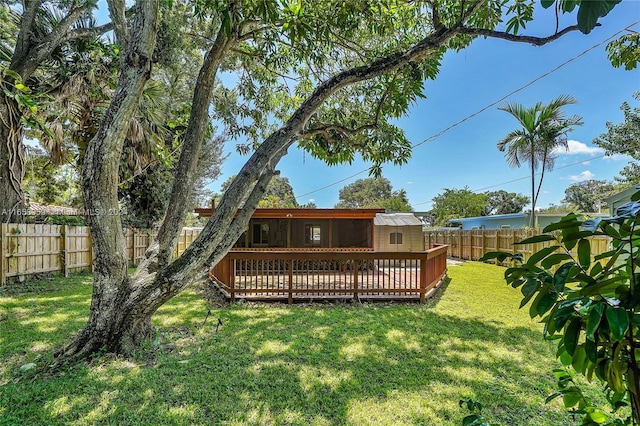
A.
x: 328, y: 275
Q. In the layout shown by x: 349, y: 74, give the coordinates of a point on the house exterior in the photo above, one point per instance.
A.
x: 509, y: 221
x: 310, y: 254
x: 620, y: 198
x: 311, y: 229
x: 330, y: 229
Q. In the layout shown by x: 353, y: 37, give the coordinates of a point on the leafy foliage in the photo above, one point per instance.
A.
x: 56, y: 219
x: 48, y: 183
x: 457, y: 203
x: 625, y: 51
x: 623, y: 138
x: 503, y: 202
x: 588, y: 11
x: 588, y: 196
x: 279, y: 193
x: 371, y: 193
x: 475, y: 418
x: 544, y: 129
x: 590, y: 305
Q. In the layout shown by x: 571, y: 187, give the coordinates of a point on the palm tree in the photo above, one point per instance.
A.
x: 543, y: 133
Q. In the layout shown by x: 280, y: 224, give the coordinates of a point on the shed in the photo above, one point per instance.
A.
x: 398, y: 232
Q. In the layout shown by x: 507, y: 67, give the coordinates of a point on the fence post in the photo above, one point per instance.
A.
x: 423, y: 279
x: 90, y: 242
x: 129, y: 246
x: 3, y: 253
x: 65, y: 246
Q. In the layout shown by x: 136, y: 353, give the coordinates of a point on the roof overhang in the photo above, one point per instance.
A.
x: 305, y: 213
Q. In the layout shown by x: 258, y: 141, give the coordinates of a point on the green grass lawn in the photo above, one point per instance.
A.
x: 276, y: 364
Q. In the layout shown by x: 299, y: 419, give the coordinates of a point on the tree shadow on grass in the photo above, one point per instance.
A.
x: 388, y: 364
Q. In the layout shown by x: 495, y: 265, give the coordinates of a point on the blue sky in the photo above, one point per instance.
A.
x: 471, y: 80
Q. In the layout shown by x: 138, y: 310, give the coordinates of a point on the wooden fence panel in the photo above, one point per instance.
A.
x: 78, y: 253
x: 473, y: 244
x: 29, y: 249
x: 187, y: 237
x: 4, y: 244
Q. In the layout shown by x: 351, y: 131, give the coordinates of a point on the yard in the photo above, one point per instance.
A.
x: 278, y: 364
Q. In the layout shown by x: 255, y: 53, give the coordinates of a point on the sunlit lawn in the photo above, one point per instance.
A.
x: 275, y: 364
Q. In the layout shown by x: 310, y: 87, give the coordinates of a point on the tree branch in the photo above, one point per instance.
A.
x: 536, y: 41
x: 338, y: 128
x: 435, y: 16
x: 23, y: 42
x: 252, y: 33
x: 239, y: 223
x: 117, y: 11
x: 31, y: 58
x: 184, y: 174
x: 87, y: 32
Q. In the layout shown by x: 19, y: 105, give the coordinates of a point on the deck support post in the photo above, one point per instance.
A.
x: 232, y: 278
x: 356, y: 296
x: 423, y: 279
x: 290, y: 299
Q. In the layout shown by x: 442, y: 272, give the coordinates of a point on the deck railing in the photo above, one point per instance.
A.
x: 288, y: 275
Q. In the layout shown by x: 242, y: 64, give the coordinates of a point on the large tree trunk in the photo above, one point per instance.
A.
x: 110, y: 325
x: 12, y: 203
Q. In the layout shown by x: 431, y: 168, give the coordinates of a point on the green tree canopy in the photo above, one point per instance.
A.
x: 588, y: 196
x: 49, y: 183
x: 278, y: 194
x: 543, y: 130
x: 624, y: 138
x: 373, y: 193
x: 457, y: 203
x: 503, y: 202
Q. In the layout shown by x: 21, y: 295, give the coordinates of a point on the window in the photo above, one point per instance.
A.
x: 395, y: 238
x: 260, y: 234
x: 312, y: 235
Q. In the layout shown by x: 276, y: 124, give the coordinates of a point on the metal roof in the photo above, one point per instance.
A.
x: 494, y: 217
x: 396, y: 219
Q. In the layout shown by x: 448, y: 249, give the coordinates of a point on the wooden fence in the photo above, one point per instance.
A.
x: 473, y: 244
x: 30, y: 249
x: 290, y: 275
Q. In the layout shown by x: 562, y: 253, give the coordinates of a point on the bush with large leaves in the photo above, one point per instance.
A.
x: 589, y: 304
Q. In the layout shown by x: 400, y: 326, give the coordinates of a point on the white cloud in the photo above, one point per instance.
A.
x: 619, y: 157
x: 586, y: 175
x: 410, y: 183
x: 576, y: 148
x: 312, y: 200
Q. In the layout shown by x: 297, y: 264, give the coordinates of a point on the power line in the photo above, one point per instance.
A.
x: 526, y: 177
x: 480, y: 111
